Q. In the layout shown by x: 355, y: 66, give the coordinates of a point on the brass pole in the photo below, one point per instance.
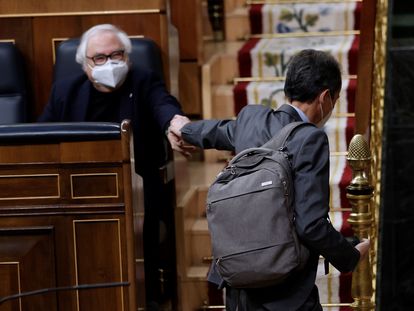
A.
x: 359, y: 194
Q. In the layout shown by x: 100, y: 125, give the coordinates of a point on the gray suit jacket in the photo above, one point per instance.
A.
x: 309, y: 150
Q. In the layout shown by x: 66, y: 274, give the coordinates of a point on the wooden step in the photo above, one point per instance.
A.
x: 221, y: 69
x: 198, y: 273
x: 217, y: 76
x: 222, y: 101
x: 192, y: 237
x: 191, y: 279
x: 200, y: 243
x: 231, y: 5
x: 193, y: 290
x: 223, y: 66
x: 237, y: 24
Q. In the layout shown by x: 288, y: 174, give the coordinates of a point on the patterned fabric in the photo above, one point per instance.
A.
x: 269, y: 57
x: 304, y: 17
x: 271, y: 94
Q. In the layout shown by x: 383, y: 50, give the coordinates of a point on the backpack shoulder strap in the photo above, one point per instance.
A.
x: 279, y: 140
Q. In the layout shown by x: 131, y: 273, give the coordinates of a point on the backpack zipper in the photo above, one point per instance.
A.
x: 232, y: 169
x: 285, y: 186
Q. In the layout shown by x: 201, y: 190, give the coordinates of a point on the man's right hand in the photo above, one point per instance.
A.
x: 176, y: 123
x: 175, y: 137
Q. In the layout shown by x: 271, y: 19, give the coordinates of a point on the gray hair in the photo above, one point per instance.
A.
x: 81, y: 51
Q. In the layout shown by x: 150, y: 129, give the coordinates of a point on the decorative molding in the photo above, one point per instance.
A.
x: 273, y: 79
x: 304, y: 34
x: 73, y: 196
x: 8, y: 41
x: 2, y: 198
x: 55, y: 42
x: 87, y: 13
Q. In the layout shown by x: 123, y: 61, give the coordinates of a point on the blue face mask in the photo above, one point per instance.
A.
x: 111, y: 74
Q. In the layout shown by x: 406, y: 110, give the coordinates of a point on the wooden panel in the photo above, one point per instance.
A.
x: 26, y: 186
x: 98, y: 151
x: 30, y: 184
x: 32, y: 250
x: 94, y: 185
x: 29, y: 154
x: 190, y: 88
x: 44, y: 30
x: 98, y: 260
x: 63, y: 242
x: 50, y: 6
x: 189, y: 27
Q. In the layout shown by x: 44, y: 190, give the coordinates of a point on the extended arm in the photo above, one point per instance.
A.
x: 312, y: 204
x: 207, y: 134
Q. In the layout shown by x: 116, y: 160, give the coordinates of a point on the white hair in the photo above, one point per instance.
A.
x: 81, y: 51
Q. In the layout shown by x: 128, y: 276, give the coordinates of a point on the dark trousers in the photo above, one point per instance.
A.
x: 240, y: 300
x: 151, y: 233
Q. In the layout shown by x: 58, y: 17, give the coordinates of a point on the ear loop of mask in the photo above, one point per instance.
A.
x: 320, y: 105
x: 330, y: 97
x: 332, y: 106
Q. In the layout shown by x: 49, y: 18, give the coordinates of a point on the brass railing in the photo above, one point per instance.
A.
x: 360, y: 193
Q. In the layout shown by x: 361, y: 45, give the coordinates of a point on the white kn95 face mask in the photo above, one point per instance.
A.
x: 110, y: 74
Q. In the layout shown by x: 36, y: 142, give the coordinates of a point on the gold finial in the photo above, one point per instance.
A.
x: 359, y: 158
x: 358, y: 149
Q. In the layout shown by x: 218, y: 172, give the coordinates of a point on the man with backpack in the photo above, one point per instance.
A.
x: 312, y: 86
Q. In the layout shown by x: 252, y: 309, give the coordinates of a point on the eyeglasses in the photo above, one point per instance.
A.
x: 100, y: 59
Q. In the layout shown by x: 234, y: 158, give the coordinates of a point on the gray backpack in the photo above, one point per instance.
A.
x: 251, y: 219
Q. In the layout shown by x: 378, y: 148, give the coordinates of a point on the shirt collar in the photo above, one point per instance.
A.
x: 301, y: 113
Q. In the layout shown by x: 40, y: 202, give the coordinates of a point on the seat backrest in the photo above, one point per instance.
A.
x: 145, y: 54
x: 13, y: 92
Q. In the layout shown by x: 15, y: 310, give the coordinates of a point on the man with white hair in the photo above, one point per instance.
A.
x: 110, y: 90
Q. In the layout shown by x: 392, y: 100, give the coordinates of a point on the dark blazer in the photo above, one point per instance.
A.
x: 144, y: 100
x: 309, y: 149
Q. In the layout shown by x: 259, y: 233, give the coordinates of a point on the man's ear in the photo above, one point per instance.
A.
x: 323, y: 96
